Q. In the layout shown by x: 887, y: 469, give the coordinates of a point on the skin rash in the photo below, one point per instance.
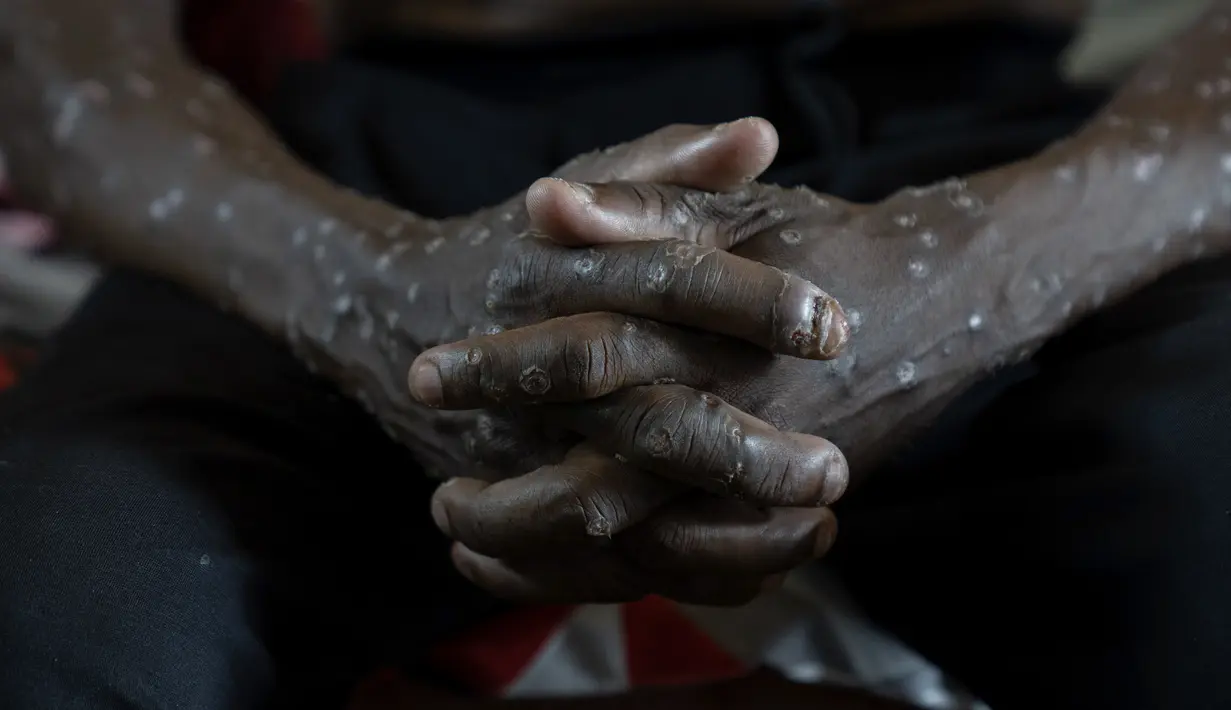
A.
x: 153, y: 164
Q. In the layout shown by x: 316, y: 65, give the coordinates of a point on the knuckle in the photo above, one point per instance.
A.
x: 679, y: 271
x: 779, y: 480
x: 560, y: 509
x: 604, y: 513
x: 584, y: 510
x: 680, y: 540
x: 717, y: 436
x: 693, y: 431
x: 650, y: 200
x: 593, y: 364
x: 655, y: 424
x: 789, y: 476
x: 523, y: 282
x: 726, y: 218
x: 486, y: 369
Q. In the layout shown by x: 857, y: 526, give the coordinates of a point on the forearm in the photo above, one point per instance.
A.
x: 992, y: 266
x: 149, y: 163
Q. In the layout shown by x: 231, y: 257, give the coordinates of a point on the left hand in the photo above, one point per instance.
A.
x: 896, y: 262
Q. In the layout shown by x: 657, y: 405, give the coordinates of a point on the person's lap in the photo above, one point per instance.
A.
x: 189, y: 516
x: 1064, y: 540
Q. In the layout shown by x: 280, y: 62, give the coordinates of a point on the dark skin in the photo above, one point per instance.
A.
x: 159, y: 168
x: 163, y: 172
x: 109, y: 126
x: 947, y: 282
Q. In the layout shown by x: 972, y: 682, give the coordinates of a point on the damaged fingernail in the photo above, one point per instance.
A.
x: 833, y: 329
x: 836, y: 475
x: 815, y: 325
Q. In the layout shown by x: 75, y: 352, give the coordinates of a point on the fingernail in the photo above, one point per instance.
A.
x: 440, y: 516
x: 834, y: 328
x: 826, y: 536
x: 837, y: 473
x: 425, y: 384
x: 584, y: 192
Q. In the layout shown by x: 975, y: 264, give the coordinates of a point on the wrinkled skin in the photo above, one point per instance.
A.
x: 513, y: 278
x: 946, y: 282
x: 714, y: 427
x: 358, y: 288
x: 516, y: 279
x: 940, y: 284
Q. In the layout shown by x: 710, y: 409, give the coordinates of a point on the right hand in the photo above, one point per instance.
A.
x: 482, y: 273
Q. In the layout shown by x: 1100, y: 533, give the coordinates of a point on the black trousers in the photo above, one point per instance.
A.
x: 189, y: 520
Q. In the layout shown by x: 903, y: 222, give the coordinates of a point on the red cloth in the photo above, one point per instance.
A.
x: 8, y: 375
x: 249, y: 41
x: 600, y: 648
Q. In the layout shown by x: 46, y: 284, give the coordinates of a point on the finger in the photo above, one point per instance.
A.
x: 577, y: 213
x: 697, y: 439
x: 588, y: 496
x: 714, y: 158
x: 716, y: 536
x: 675, y: 282
x: 600, y: 578
x: 569, y: 359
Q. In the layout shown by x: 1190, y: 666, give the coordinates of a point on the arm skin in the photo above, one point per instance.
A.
x: 946, y: 281
x: 149, y: 162
x: 152, y: 164
x: 155, y: 166
x: 110, y: 127
x: 988, y: 268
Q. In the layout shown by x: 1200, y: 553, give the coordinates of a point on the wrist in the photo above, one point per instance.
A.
x: 370, y: 294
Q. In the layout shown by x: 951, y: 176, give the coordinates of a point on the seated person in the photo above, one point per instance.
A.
x: 625, y: 370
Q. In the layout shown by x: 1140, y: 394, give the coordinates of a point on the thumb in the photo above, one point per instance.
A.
x: 708, y: 158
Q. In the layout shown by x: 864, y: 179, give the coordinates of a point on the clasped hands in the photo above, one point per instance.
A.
x: 666, y: 487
